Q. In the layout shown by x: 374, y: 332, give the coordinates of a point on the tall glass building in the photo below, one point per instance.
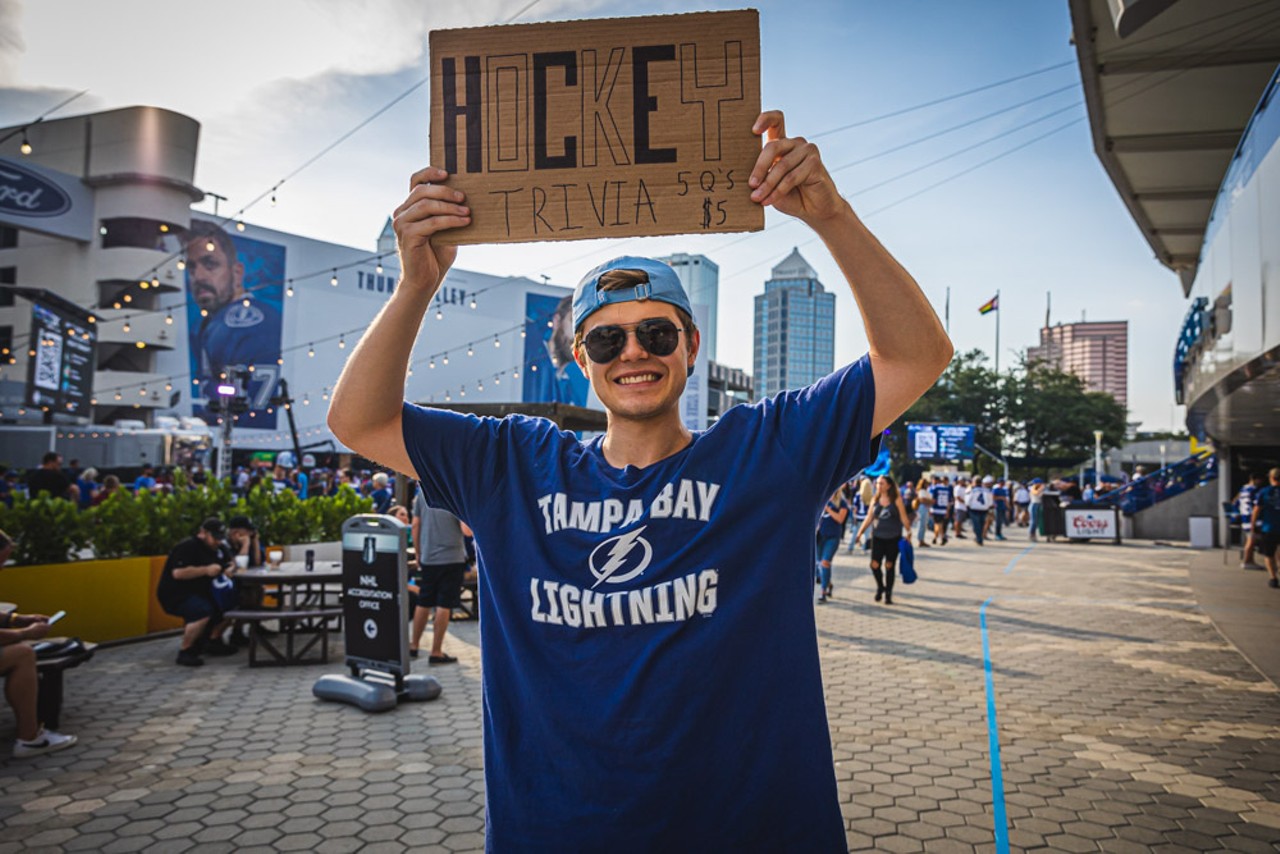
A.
x: 701, y: 279
x: 795, y: 325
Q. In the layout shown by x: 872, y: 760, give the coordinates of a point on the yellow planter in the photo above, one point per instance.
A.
x: 104, y: 599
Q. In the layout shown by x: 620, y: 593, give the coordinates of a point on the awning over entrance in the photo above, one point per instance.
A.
x: 1169, y: 102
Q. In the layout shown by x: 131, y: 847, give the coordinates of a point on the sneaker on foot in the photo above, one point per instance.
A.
x: 46, y: 741
x: 1248, y: 564
x: 187, y: 658
x: 1271, y: 582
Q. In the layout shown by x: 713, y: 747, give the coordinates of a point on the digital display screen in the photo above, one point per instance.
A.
x: 940, y: 442
x: 60, y: 373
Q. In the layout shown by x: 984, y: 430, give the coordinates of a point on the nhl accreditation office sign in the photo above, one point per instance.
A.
x: 617, y: 127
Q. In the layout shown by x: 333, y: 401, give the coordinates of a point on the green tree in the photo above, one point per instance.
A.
x: 1055, y: 415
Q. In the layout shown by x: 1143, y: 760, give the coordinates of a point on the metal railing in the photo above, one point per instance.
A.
x: 1162, y: 484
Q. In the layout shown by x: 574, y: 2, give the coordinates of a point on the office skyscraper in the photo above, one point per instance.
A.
x: 795, y: 325
x: 701, y: 279
x: 1097, y: 353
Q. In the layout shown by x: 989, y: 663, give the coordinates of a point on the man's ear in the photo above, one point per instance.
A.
x: 237, y: 276
x: 695, y: 344
x: 580, y: 357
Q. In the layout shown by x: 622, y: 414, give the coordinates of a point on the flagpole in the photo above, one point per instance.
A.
x: 997, y: 332
x: 946, y: 312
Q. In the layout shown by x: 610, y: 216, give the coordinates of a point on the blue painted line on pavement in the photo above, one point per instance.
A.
x: 1008, y: 569
x: 993, y: 742
x: 999, y: 817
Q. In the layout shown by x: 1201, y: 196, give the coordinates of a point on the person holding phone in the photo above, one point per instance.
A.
x: 185, y: 590
x: 18, y: 668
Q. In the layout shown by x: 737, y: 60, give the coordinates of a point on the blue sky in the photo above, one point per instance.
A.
x: 1042, y: 219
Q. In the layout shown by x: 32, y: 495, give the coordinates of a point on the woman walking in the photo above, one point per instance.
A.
x: 830, y: 532
x: 887, y: 518
x: 925, y: 501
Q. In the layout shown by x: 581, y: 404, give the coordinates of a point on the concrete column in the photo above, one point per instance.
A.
x: 1225, y: 493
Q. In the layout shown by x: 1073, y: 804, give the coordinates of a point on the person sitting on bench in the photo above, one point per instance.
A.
x: 18, y: 667
x: 185, y: 590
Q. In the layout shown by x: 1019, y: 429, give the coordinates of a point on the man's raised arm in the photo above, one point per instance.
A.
x: 909, y: 348
x: 365, y: 411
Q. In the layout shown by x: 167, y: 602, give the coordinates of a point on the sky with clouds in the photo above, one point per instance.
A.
x: 998, y: 190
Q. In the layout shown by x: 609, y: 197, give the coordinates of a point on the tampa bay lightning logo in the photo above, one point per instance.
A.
x: 620, y: 559
x: 241, y: 316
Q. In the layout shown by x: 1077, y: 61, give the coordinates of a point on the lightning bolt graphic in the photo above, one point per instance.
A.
x: 618, y: 553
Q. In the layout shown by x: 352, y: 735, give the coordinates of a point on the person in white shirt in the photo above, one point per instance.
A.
x: 962, y: 506
x: 979, y: 500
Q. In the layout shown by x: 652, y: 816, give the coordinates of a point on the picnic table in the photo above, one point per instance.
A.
x: 305, y: 606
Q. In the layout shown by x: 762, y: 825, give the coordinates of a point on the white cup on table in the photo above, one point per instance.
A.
x: 274, y: 556
x: 242, y: 562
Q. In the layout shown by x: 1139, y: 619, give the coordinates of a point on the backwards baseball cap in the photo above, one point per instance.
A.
x: 214, y: 526
x: 663, y: 286
x: 988, y: 479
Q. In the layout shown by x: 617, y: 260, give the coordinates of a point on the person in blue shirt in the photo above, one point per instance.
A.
x: 1000, y: 492
x: 1265, y: 520
x: 145, y: 481
x: 830, y: 529
x: 941, y: 493
x: 1244, y: 506
x: 626, y: 579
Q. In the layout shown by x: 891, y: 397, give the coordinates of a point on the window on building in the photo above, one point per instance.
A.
x: 8, y: 237
x: 8, y: 276
x: 138, y: 232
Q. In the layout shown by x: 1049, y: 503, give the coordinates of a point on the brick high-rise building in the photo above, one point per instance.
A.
x: 1097, y: 353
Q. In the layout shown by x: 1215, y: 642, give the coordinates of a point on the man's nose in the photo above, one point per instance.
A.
x: 632, y: 349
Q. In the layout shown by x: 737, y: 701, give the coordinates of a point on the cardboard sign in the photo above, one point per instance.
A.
x: 618, y: 127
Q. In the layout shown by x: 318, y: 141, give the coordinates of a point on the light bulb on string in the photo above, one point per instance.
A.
x: 462, y: 392
x: 333, y: 280
x: 379, y: 267
x: 522, y: 332
x: 209, y: 246
x: 127, y: 297
x: 155, y: 281
x: 288, y: 291
x: 116, y: 304
x: 144, y: 284
x: 496, y: 380
x: 470, y: 352
x: 25, y: 148
x: 432, y: 364
x: 496, y: 342
x: 245, y: 302
x: 439, y: 314
x: 181, y: 265
x: 342, y: 342
x: 479, y: 385
x: 168, y: 386
x: 533, y: 368
x: 279, y: 360
x: 473, y: 302
x: 168, y: 319
x: 119, y: 396
x: 126, y: 327
x: 306, y: 401
x: 311, y: 351
x: 445, y: 360
x: 447, y: 398
x: 325, y: 394
x: 240, y: 225
x: 204, y: 312
x: 515, y: 375
x: 273, y: 199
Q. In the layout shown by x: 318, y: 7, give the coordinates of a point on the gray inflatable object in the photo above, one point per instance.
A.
x: 369, y: 696
x: 373, y: 696
x: 419, y: 687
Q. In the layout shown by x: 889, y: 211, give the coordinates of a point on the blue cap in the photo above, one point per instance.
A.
x: 663, y: 286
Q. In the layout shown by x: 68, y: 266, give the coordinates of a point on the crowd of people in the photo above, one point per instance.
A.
x: 87, y: 487
x: 1257, y: 506
x: 880, y: 516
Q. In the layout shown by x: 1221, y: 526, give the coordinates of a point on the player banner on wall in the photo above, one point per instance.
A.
x: 551, y: 375
x: 235, y: 290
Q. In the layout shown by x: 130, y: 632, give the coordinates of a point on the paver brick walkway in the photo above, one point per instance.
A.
x: 1124, y: 722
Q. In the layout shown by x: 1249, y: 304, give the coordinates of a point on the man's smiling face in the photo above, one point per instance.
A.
x: 636, y: 384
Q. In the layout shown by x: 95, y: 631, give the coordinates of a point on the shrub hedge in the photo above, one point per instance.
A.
x: 54, y: 530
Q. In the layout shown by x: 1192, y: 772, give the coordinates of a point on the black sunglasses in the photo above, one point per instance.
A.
x: 657, y: 336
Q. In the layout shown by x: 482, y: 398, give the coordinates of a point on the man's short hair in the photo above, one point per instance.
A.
x: 243, y: 523
x: 50, y: 457
x: 380, y: 479
x: 203, y: 228
x: 1275, y: 475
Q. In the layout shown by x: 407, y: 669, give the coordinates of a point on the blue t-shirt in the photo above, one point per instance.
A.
x: 1268, y: 499
x: 237, y: 334
x: 830, y: 529
x: 629, y: 703
x: 941, y: 494
x: 859, y: 506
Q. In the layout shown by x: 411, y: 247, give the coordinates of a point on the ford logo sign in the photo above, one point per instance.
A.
x: 26, y: 193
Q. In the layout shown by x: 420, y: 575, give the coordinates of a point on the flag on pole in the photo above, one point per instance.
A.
x: 990, y: 305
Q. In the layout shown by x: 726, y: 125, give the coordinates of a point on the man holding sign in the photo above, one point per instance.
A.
x: 632, y: 699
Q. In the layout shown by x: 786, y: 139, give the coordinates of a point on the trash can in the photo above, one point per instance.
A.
x: 1201, y: 532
